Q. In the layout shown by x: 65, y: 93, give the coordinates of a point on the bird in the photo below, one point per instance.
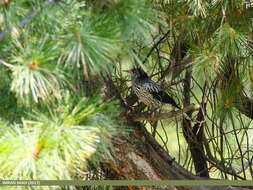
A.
x: 149, y: 92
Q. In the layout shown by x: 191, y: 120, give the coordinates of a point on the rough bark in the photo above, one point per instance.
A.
x: 140, y: 156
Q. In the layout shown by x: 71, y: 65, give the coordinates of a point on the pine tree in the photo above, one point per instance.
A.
x: 67, y: 105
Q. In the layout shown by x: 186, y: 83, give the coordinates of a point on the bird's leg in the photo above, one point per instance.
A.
x: 154, y: 126
x: 152, y: 110
x: 153, y: 123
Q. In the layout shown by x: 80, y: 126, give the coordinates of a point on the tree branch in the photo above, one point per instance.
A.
x: 196, y: 144
x: 159, y: 116
x: 155, y: 45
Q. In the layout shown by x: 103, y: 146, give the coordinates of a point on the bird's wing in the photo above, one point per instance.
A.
x: 159, y: 94
x: 164, y: 98
x: 151, y: 86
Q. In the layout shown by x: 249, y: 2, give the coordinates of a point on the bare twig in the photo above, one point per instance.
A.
x: 155, y: 45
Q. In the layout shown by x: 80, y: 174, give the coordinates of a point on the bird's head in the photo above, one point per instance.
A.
x: 137, y: 73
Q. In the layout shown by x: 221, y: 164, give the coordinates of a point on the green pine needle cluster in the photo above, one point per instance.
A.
x: 51, y: 145
x: 56, y: 114
x: 49, y: 128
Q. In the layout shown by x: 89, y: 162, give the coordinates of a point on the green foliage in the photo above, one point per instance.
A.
x: 50, y: 46
x: 53, y: 55
x: 35, y: 73
x: 87, y: 51
x: 7, y: 111
x: 60, y: 140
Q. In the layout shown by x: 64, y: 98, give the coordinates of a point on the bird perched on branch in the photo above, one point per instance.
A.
x: 150, y: 92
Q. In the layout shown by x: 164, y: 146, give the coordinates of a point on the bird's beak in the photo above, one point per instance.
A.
x: 129, y: 71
